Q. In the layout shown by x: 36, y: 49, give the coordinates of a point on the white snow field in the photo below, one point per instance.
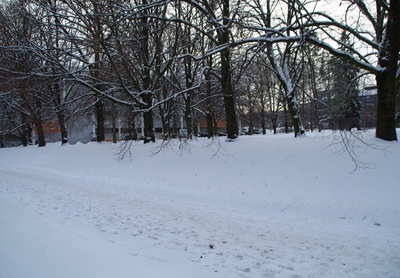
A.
x: 262, y: 206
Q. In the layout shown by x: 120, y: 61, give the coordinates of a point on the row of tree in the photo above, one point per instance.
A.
x: 62, y: 58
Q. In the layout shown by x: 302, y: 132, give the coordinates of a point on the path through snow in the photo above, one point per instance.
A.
x: 246, y: 243
x: 62, y: 224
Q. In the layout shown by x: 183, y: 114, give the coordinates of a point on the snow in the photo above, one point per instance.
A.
x: 268, y: 205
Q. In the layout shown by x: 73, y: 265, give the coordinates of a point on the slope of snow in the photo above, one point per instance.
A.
x: 262, y: 206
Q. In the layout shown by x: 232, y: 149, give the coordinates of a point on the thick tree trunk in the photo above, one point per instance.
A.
x: 226, y: 81
x: 147, y: 96
x: 24, y: 139
x: 386, y: 108
x: 39, y: 132
x: 386, y: 80
x: 148, y: 127
x: 295, y: 114
x: 231, y: 122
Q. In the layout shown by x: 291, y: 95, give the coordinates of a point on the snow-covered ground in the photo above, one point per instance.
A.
x: 262, y: 206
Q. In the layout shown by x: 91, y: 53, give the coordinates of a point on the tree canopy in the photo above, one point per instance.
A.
x: 183, y: 62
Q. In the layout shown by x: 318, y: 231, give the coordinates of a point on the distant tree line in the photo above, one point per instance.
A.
x: 264, y: 62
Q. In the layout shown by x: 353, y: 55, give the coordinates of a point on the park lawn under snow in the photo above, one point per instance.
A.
x: 262, y: 206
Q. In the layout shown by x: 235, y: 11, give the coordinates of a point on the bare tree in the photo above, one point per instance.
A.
x: 380, y: 38
x: 282, y: 56
x: 221, y: 16
x: 24, y: 68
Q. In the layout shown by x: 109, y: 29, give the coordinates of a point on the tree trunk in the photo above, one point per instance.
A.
x: 215, y: 126
x: 263, y: 122
x: 100, y: 132
x: 165, y: 116
x: 226, y: 81
x: 114, y: 123
x: 295, y: 114
x: 63, y: 128
x: 26, y: 136
x: 231, y: 122
x: 148, y: 119
x: 386, y: 80
x: 285, y: 114
x: 39, y: 132
x: 274, y: 120
x: 132, y: 132
x: 56, y: 90
x: 210, y: 129
x: 386, y: 108
x: 209, y: 113
x: 188, y: 117
x: 165, y: 121
x: 99, y: 106
x: 147, y: 95
x: 22, y: 131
